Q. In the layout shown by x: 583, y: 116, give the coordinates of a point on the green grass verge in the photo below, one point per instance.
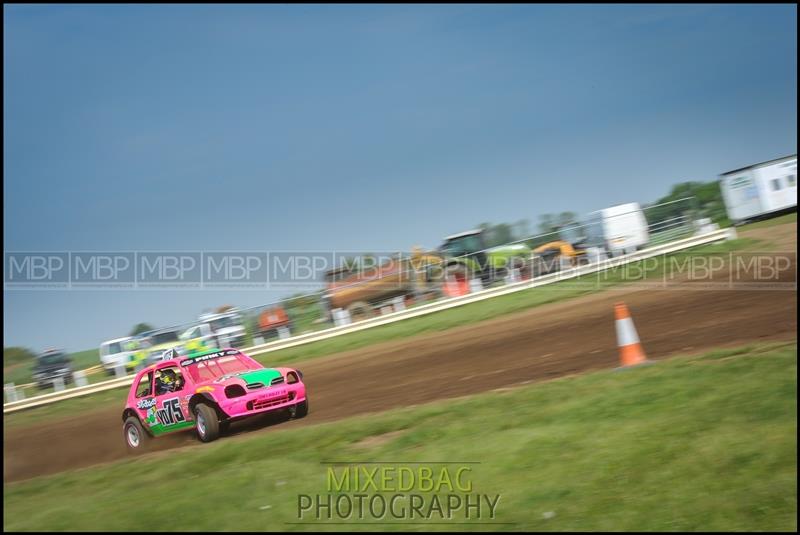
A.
x: 691, y: 443
x: 780, y: 220
x: 439, y: 321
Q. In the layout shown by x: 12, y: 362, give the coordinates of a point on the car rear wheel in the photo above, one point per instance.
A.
x: 136, y: 438
x: 300, y: 410
x: 206, y: 423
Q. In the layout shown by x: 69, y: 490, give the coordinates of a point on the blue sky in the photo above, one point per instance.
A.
x: 357, y: 127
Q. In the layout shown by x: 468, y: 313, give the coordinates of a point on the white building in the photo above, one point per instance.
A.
x: 760, y: 189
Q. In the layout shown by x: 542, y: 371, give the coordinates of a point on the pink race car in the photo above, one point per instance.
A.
x: 207, y: 391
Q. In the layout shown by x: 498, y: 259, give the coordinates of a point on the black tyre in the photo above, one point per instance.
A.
x: 526, y: 271
x: 360, y: 310
x: 206, y: 423
x: 300, y: 410
x: 516, y: 262
x: 136, y: 438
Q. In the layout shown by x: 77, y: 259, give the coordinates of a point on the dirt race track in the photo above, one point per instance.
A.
x: 549, y: 341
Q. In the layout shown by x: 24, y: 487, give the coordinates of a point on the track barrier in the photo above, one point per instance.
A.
x: 12, y: 394
x: 79, y: 377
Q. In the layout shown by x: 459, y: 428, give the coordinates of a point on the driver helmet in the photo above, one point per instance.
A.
x: 168, y: 379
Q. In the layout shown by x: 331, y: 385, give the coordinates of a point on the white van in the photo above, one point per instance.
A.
x: 117, y: 351
x: 221, y: 330
x: 618, y: 229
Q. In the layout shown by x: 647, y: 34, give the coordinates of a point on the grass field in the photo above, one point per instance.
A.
x: 780, y: 220
x: 691, y: 443
x: 439, y: 321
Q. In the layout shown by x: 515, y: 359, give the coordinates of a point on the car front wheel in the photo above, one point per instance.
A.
x: 206, y: 423
x: 299, y: 410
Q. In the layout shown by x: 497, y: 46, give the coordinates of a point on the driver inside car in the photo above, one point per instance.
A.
x: 168, y: 381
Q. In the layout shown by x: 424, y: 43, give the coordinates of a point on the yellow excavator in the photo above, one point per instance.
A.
x: 568, y: 250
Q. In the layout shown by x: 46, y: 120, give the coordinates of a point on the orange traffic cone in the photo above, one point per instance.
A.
x: 456, y: 286
x: 630, y: 349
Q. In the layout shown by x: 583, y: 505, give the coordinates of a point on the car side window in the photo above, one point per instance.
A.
x: 145, y: 386
x: 169, y: 379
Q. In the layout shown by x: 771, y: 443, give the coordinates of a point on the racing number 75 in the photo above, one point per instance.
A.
x: 170, y: 412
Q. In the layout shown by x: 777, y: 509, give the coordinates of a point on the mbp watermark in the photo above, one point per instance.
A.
x: 741, y: 270
x: 103, y: 269
x: 169, y: 269
x: 399, y: 492
x: 388, y: 272
x: 37, y: 270
x: 239, y: 269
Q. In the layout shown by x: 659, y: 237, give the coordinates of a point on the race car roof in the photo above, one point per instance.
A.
x: 462, y: 234
x: 206, y: 355
x: 115, y: 340
x: 159, y: 331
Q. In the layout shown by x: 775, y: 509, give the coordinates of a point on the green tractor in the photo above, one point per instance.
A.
x: 466, y: 256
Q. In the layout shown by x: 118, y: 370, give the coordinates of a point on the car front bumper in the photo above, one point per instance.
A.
x: 264, y: 400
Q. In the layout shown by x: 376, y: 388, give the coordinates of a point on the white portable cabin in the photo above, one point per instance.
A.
x: 760, y: 189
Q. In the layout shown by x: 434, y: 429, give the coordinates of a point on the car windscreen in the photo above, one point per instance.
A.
x: 113, y: 349
x: 208, y: 370
x: 463, y: 245
x: 164, y: 338
x: 52, y: 359
x: 221, y: 323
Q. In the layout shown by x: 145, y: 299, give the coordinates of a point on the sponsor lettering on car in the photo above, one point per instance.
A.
x: 216, y: 354
x: 146, y: 403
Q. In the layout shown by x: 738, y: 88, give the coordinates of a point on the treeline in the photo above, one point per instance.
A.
x: 706, y: 201
x: 16, y: 355
x: 502, y: 233
x: 701, y: 199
